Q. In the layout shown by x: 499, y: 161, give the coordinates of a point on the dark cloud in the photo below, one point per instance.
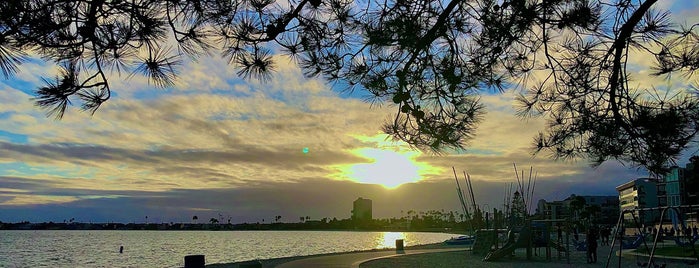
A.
x: 279, y: 157
x: 19, y: 183
x: 313, y: 197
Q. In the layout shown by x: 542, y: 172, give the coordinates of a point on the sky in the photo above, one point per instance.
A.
x: 215, y: 144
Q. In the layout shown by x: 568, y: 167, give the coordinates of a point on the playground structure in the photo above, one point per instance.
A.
x: 676, y: 215
x: 534, y: 235
x: 520, y: 233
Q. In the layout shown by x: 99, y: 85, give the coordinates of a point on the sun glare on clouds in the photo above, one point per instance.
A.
x: 390, y: 164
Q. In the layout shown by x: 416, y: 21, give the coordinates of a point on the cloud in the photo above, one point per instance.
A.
x: 313, y: 196
x: 215, y: 143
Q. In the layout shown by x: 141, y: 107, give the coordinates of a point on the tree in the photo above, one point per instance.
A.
x: 576, y: 205
x: 518, y: 211
x: 194, y: 219
x: 213, y: 220
x: 591, y: 213
x: 430, y: 58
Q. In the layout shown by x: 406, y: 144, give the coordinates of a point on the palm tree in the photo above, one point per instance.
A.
x: 194, y: 219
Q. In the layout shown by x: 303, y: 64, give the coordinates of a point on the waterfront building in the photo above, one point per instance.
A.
x: 552, y: 210
x: 638, y: 194
x: 680, y: 186
x: 608, y: 208
x: 674, y: 186
x: 361, y: 209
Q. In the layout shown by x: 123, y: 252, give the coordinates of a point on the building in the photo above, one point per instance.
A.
x: 608, y: 208
x: 680, y: 184
x: 691, y: 182
x: 638, y: 194
x: 552, y: 210
x: 681, y: 188
x: 361, y: 209
x: 674, y: 186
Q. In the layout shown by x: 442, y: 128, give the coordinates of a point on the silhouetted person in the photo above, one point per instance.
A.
x: 604, y: 235
x: 560, y: 234
x: 121, y: 249
x: 591, y: 239
x: 575, y: 234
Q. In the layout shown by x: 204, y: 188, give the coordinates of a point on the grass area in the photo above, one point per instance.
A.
x: 674, y: 251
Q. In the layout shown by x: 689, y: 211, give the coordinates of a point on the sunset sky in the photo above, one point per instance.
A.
x: 250, y: 150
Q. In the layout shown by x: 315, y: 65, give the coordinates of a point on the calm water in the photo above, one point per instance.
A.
x: 168, y: 248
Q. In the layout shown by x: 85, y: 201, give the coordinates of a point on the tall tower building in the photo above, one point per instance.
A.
x: 361, y: 209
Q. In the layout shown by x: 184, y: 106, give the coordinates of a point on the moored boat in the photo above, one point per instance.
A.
x: 460, y: 240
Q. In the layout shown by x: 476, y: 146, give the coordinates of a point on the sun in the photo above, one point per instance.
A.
x: 389, y: 165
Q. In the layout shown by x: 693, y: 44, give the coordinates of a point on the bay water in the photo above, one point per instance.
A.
x: 45, y: 248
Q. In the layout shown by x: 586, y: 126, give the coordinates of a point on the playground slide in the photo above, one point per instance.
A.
x: 509, y: 247
x: 580, y: 245
x: 556, y: 245
x: 505, y: 250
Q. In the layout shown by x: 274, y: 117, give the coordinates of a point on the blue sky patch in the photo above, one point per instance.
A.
x: 12, y: 137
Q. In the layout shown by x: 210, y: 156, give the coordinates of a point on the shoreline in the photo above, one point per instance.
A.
x: 270, y: 263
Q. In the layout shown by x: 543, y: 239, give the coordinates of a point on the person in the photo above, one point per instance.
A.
x: 560, y: 234
x: 575, y: 234
x: 591, y: 239
x: 606, y: 232
x: 121, y: 249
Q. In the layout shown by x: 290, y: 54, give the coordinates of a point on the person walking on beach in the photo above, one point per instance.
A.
x: 591, y: 239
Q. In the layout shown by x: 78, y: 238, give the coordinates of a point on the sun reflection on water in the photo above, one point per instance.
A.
x: 388, y: 239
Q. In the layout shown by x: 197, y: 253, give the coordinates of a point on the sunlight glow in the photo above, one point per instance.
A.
x: 388, y: 239
x: 389, y: 164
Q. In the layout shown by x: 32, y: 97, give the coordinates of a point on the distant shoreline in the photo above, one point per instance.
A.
x: 210, y: 227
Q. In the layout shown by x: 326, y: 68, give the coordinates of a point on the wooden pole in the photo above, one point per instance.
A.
x: 460, y: 193
x: 470, y: 186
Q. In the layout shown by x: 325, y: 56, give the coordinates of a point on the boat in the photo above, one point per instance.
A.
x: 460, y: 240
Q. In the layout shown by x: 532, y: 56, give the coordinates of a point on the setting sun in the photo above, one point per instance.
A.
x: 390, y: 165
